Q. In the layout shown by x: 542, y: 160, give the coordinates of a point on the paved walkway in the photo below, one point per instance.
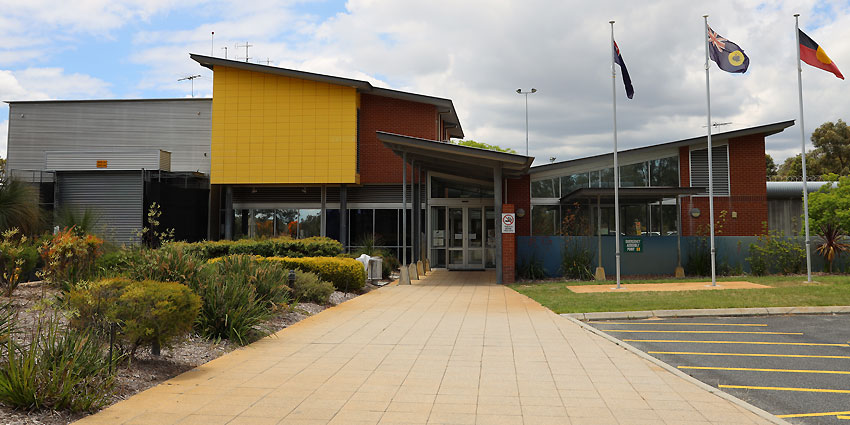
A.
x: 451, y: 349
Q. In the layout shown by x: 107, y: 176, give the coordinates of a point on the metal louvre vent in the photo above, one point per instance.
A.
x: 380, y: 193
x: 720, y: 165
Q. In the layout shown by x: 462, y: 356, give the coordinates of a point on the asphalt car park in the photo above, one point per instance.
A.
x: 795, y: 367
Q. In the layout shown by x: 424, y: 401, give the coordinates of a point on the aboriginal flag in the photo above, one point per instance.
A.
x: 814, y: 55
x: 618, y: 59
x: 728, y: 56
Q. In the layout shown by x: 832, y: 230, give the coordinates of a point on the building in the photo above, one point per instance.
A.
x: 284, y: 152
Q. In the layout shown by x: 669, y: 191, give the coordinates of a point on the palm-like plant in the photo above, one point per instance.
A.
x: 18, y: 206
x: 832, y: 242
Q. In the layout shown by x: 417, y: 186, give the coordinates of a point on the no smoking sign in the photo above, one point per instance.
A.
x: 508, y: 223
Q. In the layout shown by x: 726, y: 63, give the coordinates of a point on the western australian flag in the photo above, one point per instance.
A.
x: 618, y: 59
x: 728, y: 56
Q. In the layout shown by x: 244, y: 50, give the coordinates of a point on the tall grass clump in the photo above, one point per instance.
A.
x: 61, y: 369
x: 18, y: 207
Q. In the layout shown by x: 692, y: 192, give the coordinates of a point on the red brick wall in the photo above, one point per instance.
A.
x: 508, y: 250
x: 519, y: 194
x: 748, y: 200
x: 377, y: 163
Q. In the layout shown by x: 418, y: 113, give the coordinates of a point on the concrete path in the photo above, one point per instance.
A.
x: 453, y: 348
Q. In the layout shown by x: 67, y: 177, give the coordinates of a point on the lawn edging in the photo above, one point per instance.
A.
x: 718, y: 392
x: 707, y: 312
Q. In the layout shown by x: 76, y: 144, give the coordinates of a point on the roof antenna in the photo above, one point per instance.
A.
x: 192, y: 79
x: 212, y: 43
x: 246, y: 46
x: 225, y: 51
x: 718, y: 124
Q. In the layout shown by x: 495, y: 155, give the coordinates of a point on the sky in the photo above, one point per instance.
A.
x: 476, y: 53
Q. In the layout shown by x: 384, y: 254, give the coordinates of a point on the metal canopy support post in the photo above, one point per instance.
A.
x: 680, y: 272
x: 228, y: 212
x: 600, y: 271
x: 412, y: 222
x: 404, y: 209
x: 414, y: 229
x: 497, y: 201
x: 343, y: 215
x: 324, y: 211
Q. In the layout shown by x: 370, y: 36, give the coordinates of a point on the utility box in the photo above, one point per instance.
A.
x: 375, y: 267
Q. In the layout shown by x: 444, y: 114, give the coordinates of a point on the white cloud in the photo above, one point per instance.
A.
x: 4, y: 137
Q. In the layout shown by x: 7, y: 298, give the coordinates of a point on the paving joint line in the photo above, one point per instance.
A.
x: 709, y: 312
x: 720, y: 393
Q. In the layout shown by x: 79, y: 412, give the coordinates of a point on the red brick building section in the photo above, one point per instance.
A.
x: 519, y: 194
x: 508, y: 251
x: 379, y: 164
x: 744, y: 212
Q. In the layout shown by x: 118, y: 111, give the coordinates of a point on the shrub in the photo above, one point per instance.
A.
x: 576, y: 260
x: 346, y: 274
x: 15, y: 260
x: 18, y: 207
x: 268, y: 279
x: 531, y: 269
x: 309, y: 288
x: 230, y: 309
x: 61, y: 369
x: 68, y: 257
x: 8, y: 323
x: 82, y: 222
x: 166, y: 264
x: 150, y: 313
x: 277, y: 247
x: 774, y: 253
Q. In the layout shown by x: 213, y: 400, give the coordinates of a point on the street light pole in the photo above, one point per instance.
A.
x: 526, y: 93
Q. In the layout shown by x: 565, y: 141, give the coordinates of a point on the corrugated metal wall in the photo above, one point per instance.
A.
x: 720, y: 172
x: 116, y: 197
x: 180, y: 126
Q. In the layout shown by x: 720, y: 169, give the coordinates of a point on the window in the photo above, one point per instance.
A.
x: 573, y: 182
x: 606, y: 177
x: 360, y: 226
x: 720, y: 163
x: 547, y: 188
x: 664, y: 172
x: 545, y: 220
x: 442, y: 188
x: 386, y: 227
x: 633, y: 175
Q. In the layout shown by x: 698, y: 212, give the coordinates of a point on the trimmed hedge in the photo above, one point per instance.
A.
x: 277, y: 247
x: 346, y: 274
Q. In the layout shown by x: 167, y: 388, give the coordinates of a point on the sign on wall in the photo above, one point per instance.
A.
x: 508, y: 223
x: 633, y: 244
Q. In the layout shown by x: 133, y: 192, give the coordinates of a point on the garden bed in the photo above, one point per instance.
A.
x: 144, y: 371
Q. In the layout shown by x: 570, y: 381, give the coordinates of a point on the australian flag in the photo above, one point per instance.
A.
x: 728, y: 56
x: 618, y: 59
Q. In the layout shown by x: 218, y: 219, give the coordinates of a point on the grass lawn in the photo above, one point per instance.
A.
x: 785, y: 291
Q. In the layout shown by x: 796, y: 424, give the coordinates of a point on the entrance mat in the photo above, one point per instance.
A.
x: 671, y: 286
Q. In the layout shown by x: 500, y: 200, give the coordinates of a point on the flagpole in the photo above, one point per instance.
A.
x: 803, y: 151
x: 710, y: 152
x: 616, y: 165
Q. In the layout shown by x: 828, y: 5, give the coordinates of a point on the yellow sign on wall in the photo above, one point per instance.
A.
x: 101, y: 163
x: 272, y: 129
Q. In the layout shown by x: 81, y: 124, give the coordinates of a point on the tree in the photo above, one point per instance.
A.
x: 2, y: 168
x: 771, y: 166
x: 830, y: 155
x: 831, y: 204
x: 479, y: 145
x: 792, y: 168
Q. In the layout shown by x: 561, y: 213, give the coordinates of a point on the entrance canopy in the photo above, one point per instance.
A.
x: 456, y: 160
x: 629, y: 194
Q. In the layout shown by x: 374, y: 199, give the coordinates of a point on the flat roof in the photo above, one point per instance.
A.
x: 767, y: 130
x: 168, y: 99
x: 454, y: 159
x: 453, y: 122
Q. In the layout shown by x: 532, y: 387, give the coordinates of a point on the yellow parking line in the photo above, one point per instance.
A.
x: 807, y: 390
x: 737, y: 342
x: 842, y: 417
x: 812, y: 415
x: 702, y: 332
x: 680, y: 324
x: 841, y: 372
x: 809, y: 356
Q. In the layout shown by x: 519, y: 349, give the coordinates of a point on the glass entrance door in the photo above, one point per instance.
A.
x: 464, y: 238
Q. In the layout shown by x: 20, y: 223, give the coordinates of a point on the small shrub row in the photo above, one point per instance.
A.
x: 277, y: 247
x: 346, y: 274
x: 309, y: 288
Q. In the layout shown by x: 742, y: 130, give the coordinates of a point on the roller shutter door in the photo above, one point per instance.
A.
x: 116, y: 196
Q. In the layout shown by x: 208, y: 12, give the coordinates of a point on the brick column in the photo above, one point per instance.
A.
x: 508, y: 250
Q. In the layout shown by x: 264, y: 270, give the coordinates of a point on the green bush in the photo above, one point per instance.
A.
x: 149, y: 313
x: 774, y: 253
x: 61, y: 369
x: 531, y: 269
x: 268, y: 279
x: 346, y: 274
x: 309, y: 288
x: 166, y: 264
x: 277, y: 247
x: 230, y: 309
x: 15, y: 260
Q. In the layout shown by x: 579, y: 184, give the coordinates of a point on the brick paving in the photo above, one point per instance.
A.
x: 453, y: 348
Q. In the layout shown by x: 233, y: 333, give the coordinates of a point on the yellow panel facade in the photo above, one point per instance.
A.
x: 270, y: 129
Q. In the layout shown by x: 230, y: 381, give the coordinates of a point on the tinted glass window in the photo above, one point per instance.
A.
x: 664, y: 171
x: 634, y: 175
x: 545, y: 188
